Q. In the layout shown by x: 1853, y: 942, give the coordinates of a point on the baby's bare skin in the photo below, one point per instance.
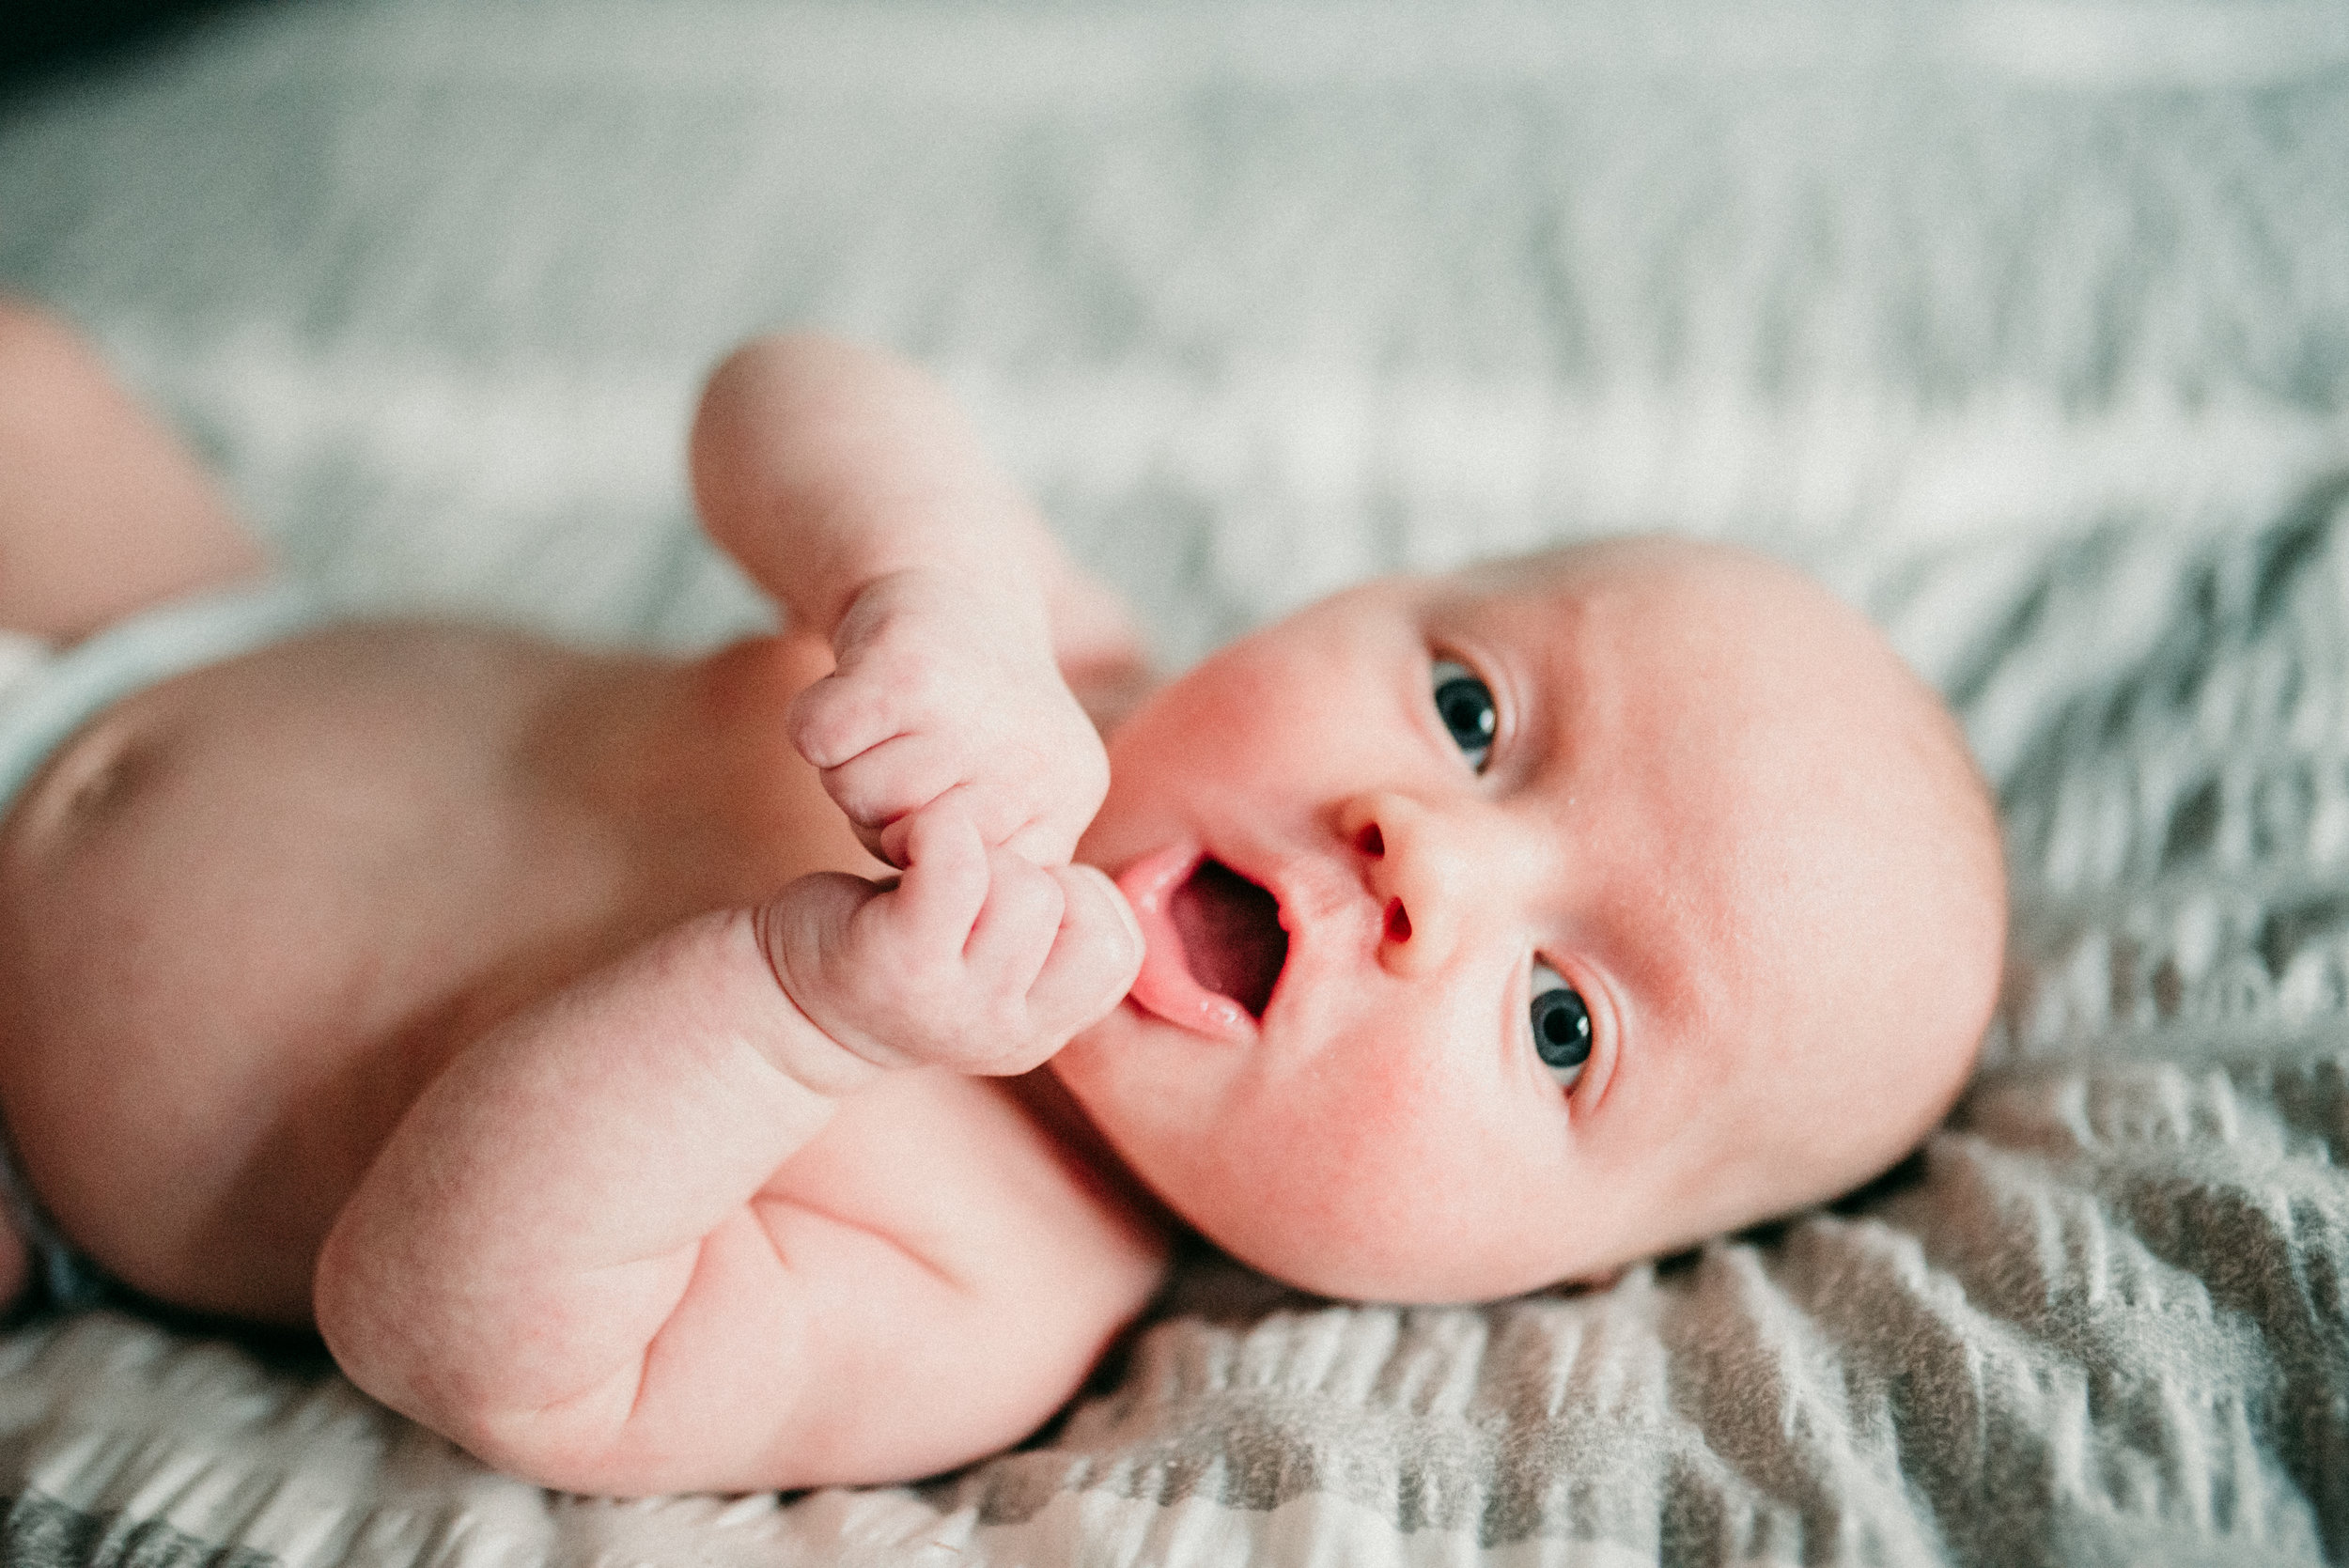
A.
x: 542, y: 1025
x: 407, y: 871
x: 247, y: 916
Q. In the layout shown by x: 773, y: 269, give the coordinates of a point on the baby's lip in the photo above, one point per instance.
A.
x: 1166, y: 988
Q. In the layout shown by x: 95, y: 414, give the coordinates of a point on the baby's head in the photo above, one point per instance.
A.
x: 1507, y: 927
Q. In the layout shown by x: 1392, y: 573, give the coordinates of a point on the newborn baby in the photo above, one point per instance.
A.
x: 590, y: 1043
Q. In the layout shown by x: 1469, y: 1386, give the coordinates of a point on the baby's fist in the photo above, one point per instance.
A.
x: 973, y: 959
x: 945, y: 688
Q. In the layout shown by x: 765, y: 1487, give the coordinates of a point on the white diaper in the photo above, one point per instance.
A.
x: 47, y: 695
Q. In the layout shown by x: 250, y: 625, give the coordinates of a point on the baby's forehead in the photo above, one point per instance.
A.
x: 1654, y: 570
x: 1658, y: 618
x: 1699, y: 608
x: 1705, y: 687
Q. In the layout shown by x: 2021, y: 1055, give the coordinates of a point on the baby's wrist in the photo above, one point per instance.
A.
x: 993, y: 592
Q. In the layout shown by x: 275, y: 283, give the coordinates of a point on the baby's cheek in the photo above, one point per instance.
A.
x: 1357, y: 1177
x: 1369, y: 1165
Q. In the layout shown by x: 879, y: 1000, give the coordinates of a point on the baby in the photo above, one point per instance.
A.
x: 789, y: 1065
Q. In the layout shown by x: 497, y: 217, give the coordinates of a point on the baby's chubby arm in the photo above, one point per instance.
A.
x: 850, y: 487
x: 570, y: 1255
x: 573, y: 1254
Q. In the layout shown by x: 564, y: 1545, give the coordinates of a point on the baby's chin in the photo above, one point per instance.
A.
x: 1411, y: 1271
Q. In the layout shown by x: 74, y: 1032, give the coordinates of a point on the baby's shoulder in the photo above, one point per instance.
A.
x: 969, y: 1176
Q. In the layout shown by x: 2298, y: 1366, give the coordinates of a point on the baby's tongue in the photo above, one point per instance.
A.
x: 1231, y: 936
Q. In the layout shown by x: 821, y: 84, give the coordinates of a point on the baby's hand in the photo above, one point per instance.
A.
x: 945, y: 689
x: 973, y: 959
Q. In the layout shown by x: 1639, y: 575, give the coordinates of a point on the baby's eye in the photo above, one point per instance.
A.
x: 1466, y: 706
x: 1562, y: 1025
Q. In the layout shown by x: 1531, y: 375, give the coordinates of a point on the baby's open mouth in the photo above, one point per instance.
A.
x: 1231, y: 931
x: 1212, y: 943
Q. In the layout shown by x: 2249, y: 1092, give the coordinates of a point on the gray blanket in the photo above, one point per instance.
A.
x: 2025, y: 325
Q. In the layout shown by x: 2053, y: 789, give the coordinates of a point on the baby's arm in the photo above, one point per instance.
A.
x: 101, y: 510
x: 851, y: 488
x: 575, y: 1253
x: 570, y: 1257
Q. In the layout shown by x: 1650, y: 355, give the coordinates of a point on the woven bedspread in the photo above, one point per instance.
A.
x: 2025, y: 326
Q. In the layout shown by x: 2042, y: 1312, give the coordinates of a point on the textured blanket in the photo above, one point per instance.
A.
x: 2027, y: 326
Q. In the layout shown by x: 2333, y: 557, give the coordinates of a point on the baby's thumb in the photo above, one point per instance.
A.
x: 1095, y: 957
x: 804, y: 932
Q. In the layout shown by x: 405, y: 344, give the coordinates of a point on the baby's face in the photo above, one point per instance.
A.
x: 1508, y: 927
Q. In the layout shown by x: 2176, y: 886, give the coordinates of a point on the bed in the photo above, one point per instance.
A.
x: 2024, y: 325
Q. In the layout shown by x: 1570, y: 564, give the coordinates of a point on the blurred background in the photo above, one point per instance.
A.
x: 1259, y: 297
x: 38, y: 42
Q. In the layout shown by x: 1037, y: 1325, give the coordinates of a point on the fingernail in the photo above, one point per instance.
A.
x: 1134, y: 947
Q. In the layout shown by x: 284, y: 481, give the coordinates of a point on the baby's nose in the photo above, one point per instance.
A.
x: 1412, y: 862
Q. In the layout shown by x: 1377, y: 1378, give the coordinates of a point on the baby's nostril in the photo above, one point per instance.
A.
x: 1371, y: 842
x: 1398, y: 922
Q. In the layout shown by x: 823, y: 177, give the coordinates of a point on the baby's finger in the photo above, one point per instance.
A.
x: 807, y: 932
x: 840, y: 717
x: 889, y: 843
x: 1095, y: 955
x: 927, y: 920
x: 1048, y: 839
x: 1015, y: 931
x: 1056, y: 798
x: 901, y: 776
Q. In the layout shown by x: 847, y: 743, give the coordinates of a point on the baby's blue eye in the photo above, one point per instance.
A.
x: 1562, y: 1025
x: 1466, y: 706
